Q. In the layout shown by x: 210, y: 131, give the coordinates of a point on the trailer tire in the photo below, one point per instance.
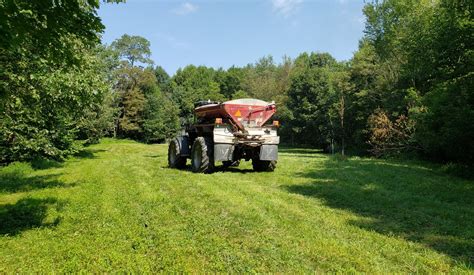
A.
x: 202, y: 155
x: 263, y: 165
x: 175, y: 160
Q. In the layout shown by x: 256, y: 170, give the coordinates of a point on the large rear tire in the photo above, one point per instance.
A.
x: 202, y: 155
x: 175, y: 160
x: 264, y: 165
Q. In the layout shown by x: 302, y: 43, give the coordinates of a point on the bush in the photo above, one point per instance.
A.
x: 387, y: 137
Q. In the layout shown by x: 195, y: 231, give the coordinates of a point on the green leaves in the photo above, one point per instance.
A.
x: 133, y: 49
x: 144, y: 112
x: 426, y: 48
x: 42, y: 112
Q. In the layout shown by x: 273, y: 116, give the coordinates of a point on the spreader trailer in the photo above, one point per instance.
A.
x: 228, y: 132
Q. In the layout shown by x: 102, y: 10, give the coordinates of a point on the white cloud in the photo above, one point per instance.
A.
x: 285, y: 7
x: 186, y: 8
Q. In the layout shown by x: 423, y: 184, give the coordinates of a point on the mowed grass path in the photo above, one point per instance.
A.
x: 117, y: 207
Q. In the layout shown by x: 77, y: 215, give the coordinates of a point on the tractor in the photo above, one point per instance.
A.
x: 227, y: 132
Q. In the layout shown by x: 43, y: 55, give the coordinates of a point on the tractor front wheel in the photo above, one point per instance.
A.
x: 202, y: 155
x: 175, y: 160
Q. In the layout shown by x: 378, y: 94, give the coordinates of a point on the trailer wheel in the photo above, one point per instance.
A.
x: 264, y: 165
x: 202, y: 155
x: 175, y: 160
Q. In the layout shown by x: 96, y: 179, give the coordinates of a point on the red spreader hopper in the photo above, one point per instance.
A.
x: 246, y: 112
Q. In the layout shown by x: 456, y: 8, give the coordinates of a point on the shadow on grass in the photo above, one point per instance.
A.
x: 412, y: 202
x: 88, y: 153
x: 153, y: 156
x: 221, y: 168
x: 299, y: 151
x: 26, y: 214
x: 16, y: 181
x: 43, y: 163
x: 40, y: 164
x: 217, y: 168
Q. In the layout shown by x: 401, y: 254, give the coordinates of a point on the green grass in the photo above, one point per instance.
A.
x: 117, y: 207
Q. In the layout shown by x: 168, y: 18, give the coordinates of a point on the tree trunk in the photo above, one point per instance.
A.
x: 341, y: 114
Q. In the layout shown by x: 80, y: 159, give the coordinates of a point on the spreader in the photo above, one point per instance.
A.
x: 228, y: 132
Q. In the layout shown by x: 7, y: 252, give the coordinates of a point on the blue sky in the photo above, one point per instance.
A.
x: 220, y: 33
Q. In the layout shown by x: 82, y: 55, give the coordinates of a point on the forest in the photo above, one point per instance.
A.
x: 407, y: 90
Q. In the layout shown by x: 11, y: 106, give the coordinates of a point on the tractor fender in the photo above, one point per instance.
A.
x: 269, y: 152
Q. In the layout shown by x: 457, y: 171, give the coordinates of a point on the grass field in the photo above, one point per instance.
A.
x: 117, y: 207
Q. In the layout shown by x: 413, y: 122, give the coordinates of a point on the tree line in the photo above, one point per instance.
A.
x: 407, y: 89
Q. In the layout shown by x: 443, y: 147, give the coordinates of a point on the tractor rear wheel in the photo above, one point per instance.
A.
x: 202, y: 155
x: 264, y: 165
x: 175, y: 160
